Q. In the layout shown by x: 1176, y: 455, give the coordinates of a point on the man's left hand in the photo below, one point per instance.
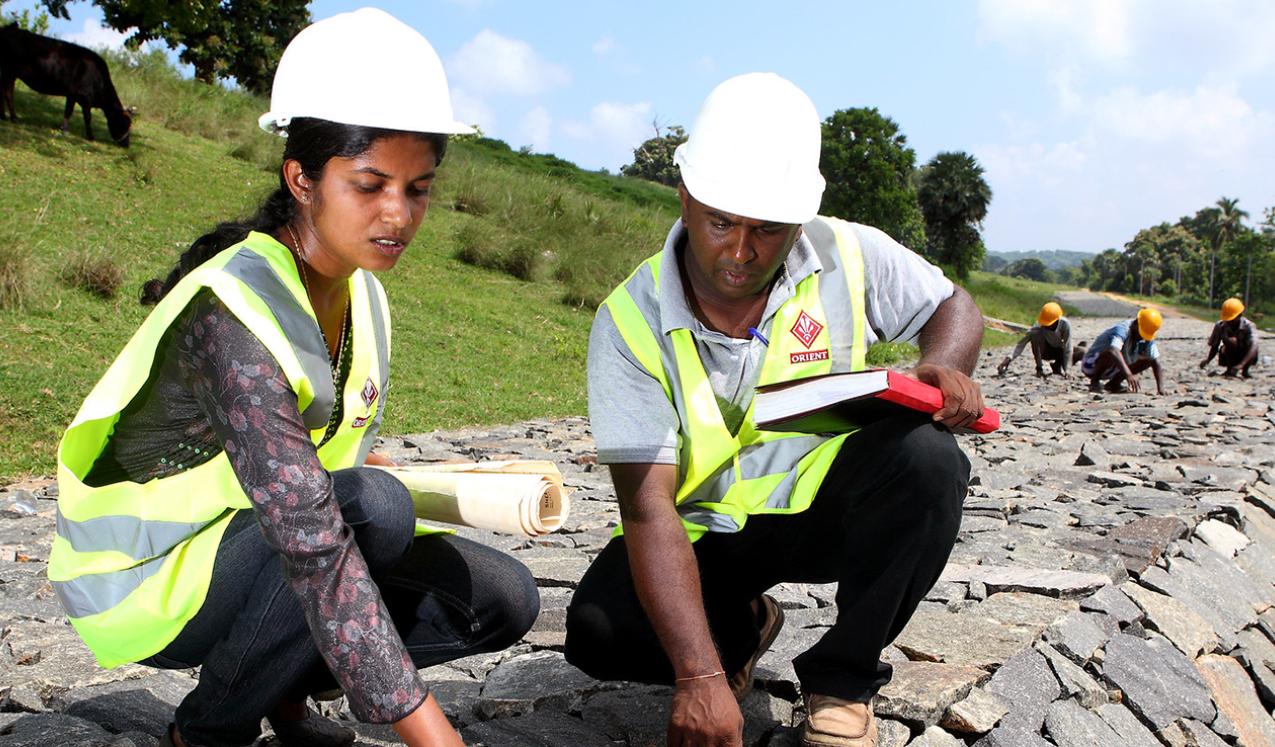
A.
x: 962, y: 397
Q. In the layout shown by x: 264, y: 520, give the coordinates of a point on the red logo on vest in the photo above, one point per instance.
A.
x: 369, y: 392
x: 806, y: 329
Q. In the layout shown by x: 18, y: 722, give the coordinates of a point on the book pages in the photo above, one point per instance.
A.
x: 517, y: 497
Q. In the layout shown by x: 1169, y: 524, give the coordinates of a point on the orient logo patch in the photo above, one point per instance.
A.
x: 370, y: 393
x: 806, y: 329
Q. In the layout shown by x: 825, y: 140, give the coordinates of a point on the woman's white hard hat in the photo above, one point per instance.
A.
x: 754, y: 150
x: 362, y: 68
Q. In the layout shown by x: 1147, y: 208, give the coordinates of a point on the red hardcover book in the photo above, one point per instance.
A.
x: 835, y: 403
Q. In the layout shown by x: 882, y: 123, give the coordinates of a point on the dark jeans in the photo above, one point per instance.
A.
x: 1047, y: 352
x: 1232, y: 356
x: 449, y: 597
x: 882, y: 525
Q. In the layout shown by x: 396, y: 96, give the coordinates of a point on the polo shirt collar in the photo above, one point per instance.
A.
x: 675, y: 310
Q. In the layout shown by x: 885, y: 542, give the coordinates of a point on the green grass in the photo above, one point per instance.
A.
x: 1012, y: 299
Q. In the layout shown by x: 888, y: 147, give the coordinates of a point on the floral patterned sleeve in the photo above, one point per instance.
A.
x: 254, y: 413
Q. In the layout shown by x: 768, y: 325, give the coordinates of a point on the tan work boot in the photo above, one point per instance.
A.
x: 833, y: 722
x: 742, y: 681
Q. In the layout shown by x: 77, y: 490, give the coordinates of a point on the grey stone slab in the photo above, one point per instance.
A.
x: 921, y: 691
x: 54, y: 730
x: 1069, y: 724
x: 977, y: 713
x: 547, y: 728
x: 936, y: 737
x: 1222, y: 537
x: 26, y: 594
x: 48, y: 660
x: 1159, y: 683
x: 1236, y: 698
x: 1028, y: 684
x: 1075, y: 682
x: 1128, y: 728
x: 1199, y: 735
x: 1225, y: 620
x: 1113, y: 602
x: 534, y: 681
x: 1257, y: 653
x: 1015, y: 736
x: 1077, y: 635
x: 143, y: 705
x: 1188, y: 631
x: 1023, y: 609
x: 1046, y: 581
x: 962, y: 638
x: 637, y: 716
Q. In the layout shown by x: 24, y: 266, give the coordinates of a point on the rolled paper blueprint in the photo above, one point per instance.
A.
x: 517, y: 497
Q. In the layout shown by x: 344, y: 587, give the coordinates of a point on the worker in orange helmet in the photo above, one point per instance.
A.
x: 1233, y: 341
x: 1050, y: 338
x: 1123, y: 351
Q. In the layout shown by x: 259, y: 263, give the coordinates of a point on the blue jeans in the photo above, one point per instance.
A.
x: 449, y: 597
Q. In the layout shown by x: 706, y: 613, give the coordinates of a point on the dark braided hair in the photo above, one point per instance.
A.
x: 312, y: 143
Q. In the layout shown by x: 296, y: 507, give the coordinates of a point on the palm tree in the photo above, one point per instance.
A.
x: 954, y: 199
x: 1227, y: 222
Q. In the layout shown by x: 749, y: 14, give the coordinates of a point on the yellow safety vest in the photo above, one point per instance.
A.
x: 725, y: 478
x: 131, y: 562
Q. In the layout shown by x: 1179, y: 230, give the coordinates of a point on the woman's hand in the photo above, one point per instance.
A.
x: 427, y: 727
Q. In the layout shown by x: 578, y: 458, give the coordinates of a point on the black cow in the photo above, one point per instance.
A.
x: 58, y: 68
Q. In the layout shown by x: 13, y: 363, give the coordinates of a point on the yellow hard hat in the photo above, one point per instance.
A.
x: 1149, y: 321
x: 1049, y: 313
x: 1231, y: 308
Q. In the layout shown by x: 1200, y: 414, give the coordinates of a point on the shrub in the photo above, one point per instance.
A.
x: 93, y: 273
x: 17, y: 282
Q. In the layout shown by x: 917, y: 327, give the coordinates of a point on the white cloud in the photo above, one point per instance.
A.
x: 616, y: 129
x: 1129, y: 160
x: 494, y: 64
x: 473, y: 110
x: 1099, y: 28
x: 95, y: 36
x: 604, y: 46
x: 534, y: 129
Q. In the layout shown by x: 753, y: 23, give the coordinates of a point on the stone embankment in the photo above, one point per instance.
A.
x: 1112, y: 584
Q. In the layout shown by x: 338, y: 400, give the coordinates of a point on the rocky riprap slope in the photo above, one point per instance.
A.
x: 1112, y: 585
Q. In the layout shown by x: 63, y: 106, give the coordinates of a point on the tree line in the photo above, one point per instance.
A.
x: 936, y: 210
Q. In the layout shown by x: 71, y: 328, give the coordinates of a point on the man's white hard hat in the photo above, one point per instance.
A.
x: 362, y: 68
x: 754, y: 150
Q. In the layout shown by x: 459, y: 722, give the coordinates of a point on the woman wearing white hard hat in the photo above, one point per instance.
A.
x: 214, y: 510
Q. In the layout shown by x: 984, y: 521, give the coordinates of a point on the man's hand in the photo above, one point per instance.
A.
x: 1132, y: 380
x: 1003, y: 367
x: 376, y: 460
x: 705, y: 714
x: 1040, y: 372
x: 1204, y: 363
x: 962, y: 398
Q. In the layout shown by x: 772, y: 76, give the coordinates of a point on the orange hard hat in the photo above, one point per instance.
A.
x: 1049, y: 313
x: 1231, y: 308
x: 1149, y: 321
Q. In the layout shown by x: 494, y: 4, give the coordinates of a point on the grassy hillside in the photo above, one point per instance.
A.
x: 492, y: 303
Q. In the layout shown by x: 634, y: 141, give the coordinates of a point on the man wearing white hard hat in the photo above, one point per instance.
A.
x: 752, y: 287
x: 215, y: 509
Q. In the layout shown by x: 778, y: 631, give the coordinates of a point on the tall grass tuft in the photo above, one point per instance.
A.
x: 17, y: 279
x: 94, y: 273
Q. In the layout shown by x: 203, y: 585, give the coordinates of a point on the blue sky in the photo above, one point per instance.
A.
x: 1092, y: 118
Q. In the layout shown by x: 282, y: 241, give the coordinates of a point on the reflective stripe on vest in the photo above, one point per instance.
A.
x: 131, y: 561
x: 821, y: 329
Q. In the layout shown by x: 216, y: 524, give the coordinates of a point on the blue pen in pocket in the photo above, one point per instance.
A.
x: 757, y: 333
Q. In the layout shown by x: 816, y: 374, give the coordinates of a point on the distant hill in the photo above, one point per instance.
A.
x: 1054, y: 259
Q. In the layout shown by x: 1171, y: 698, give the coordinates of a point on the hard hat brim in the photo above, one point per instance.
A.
x: 277, y: 124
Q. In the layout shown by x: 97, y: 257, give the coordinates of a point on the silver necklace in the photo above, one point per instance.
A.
x: 335, y: 362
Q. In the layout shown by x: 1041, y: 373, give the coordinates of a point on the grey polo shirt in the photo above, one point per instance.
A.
x: 634, y: 422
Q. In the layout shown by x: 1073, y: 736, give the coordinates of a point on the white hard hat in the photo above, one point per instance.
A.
x: 754, y: 150
x: 362, y: 68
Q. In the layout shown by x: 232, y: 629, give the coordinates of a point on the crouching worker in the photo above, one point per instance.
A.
x: 1050, y: 338
x: 214, y: 510
x: 1123, y: 351
x: 1233, y: 341
x: 753, y: 288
